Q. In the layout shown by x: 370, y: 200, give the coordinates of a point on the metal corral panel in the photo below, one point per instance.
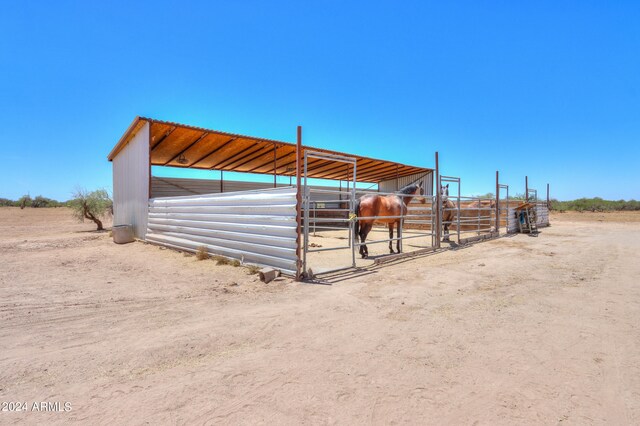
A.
x: 257, y: 227
x: 131, y: 183
x: 427, y: 183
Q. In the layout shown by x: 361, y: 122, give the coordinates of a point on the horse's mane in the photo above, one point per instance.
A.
x: 409, y: 189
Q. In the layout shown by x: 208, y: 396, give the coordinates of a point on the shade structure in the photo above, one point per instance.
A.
x: 179, y: 145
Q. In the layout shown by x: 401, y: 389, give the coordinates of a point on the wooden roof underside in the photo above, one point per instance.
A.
x: 214, y: 150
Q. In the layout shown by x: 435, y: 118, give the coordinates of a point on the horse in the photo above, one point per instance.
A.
x: 394, y: 205
x: 468, y: 210
x: 448, y: 211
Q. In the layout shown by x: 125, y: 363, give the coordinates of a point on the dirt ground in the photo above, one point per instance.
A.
x: 516, y: 330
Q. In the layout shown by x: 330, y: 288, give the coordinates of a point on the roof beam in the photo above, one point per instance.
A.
x: 359, y: 171
x: 400, y: 175
x: 288, y: 154
x: 224, y: 162
x: 330, y: 171
x: 250, y: 157
x: 213, y: 152
x: 204, y: 135
x: 376, y: 171
x: 164, y: 137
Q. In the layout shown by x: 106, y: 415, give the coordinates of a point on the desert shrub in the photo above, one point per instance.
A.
x: 596, y: 204
x: 41, y: 201
x: 202, y: 253
x: 95, y: 205
x: 5, y: 202
x: 253, y: 269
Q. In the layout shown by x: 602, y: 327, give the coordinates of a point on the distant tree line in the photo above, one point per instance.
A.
x: 596, y: 204
x: 36, y: 202
x: 100, y: 202
x: 91, y: 205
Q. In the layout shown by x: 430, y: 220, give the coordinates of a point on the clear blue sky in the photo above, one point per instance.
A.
x: 545, y: 89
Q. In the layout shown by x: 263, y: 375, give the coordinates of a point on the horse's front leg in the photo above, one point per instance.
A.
x: 399, y: 242
x: 446, y: 232
x: 391, y: 238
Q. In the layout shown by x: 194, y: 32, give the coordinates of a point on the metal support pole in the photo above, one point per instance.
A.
x: 479, y: 210
x: 397, y: 184
x: 221, y: 182
x: 298, y: 203
x: 526, y: 188
x: 352, y: 208
x: 548, y: 203
x: 459, y: 202
x: 274, y: 165
x: 307, y: 204
x: 438, y: 212
x: 497, y: 202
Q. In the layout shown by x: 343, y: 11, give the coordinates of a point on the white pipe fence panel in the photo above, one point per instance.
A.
x: 256, y: 227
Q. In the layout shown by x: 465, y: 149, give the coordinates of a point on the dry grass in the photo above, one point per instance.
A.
x: 202, y: 253
x: 253, y: 269
x: 221, y: 260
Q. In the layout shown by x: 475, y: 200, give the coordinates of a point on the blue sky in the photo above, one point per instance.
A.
x: 545, y: 89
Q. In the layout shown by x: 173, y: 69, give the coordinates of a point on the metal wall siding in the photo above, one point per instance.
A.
x: 427, y: 183
x: 542, y: 214
x: 131, y: 183
x: 256, y: 227
x: 542, y: 217
x: 176, y: 187
x: 512, y: 221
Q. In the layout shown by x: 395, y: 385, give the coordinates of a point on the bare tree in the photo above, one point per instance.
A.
x: 24, y: 201
x: 95, y: 205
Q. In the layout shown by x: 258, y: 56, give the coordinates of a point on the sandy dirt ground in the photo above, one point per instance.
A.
x: 517, y: 330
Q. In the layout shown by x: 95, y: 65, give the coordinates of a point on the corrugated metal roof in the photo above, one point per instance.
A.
x: 201, y: 148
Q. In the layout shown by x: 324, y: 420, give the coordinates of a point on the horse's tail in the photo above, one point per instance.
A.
x: 356, y: 226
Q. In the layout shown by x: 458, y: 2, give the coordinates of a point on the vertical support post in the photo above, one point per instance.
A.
x: 526, y: 189
x: 479, y: 210
x: 221, y: 182
x: 149, y: 194
x: 459, y: 202
x: 298, y: 202
x: 274, y: 165
x: 497, y: 202
x: 352, y: 208
x: 548, y: 203
x: 306, y: 197
x: 438, y: 209
x: 397, y: 184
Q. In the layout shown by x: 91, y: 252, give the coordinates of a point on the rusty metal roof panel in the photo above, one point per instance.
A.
x: 180, y: 145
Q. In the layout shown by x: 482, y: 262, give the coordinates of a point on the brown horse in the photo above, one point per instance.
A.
x: 379, y: 206
x: 468, y: 210
x: 448, y: 211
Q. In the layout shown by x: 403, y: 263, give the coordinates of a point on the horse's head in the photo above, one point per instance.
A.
x: 444, y: 192
x: 411, y: 191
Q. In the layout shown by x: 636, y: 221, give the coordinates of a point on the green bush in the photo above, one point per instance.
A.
x: 41, y: 201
